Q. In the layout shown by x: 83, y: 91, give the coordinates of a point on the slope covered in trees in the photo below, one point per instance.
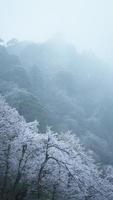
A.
x: 69, y: 92
x: 54, y: 84
x: 16, y: 87
x: 48, y: 165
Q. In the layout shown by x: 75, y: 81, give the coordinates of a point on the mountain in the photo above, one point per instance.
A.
x: 63, y: 89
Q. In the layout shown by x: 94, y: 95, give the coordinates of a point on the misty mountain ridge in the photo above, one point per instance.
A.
x: 52, y: 85
x: 62, y: 89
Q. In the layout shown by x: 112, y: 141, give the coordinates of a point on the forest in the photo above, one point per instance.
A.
x: 56, y: 129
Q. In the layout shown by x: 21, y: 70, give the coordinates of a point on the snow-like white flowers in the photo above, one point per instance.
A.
x: 52, y: 165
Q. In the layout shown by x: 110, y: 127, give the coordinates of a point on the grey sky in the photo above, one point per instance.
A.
x: 86, y: 23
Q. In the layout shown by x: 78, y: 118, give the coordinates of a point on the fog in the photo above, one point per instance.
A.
x: 56, y: 100
x: 87, y: 24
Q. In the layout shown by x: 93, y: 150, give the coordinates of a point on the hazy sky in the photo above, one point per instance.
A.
x: 86, y: 23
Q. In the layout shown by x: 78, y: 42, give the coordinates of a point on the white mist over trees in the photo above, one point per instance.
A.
x: 56, y: 100
x: 54, y: 84
x: 87, y: 24
x: 70, y: 92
